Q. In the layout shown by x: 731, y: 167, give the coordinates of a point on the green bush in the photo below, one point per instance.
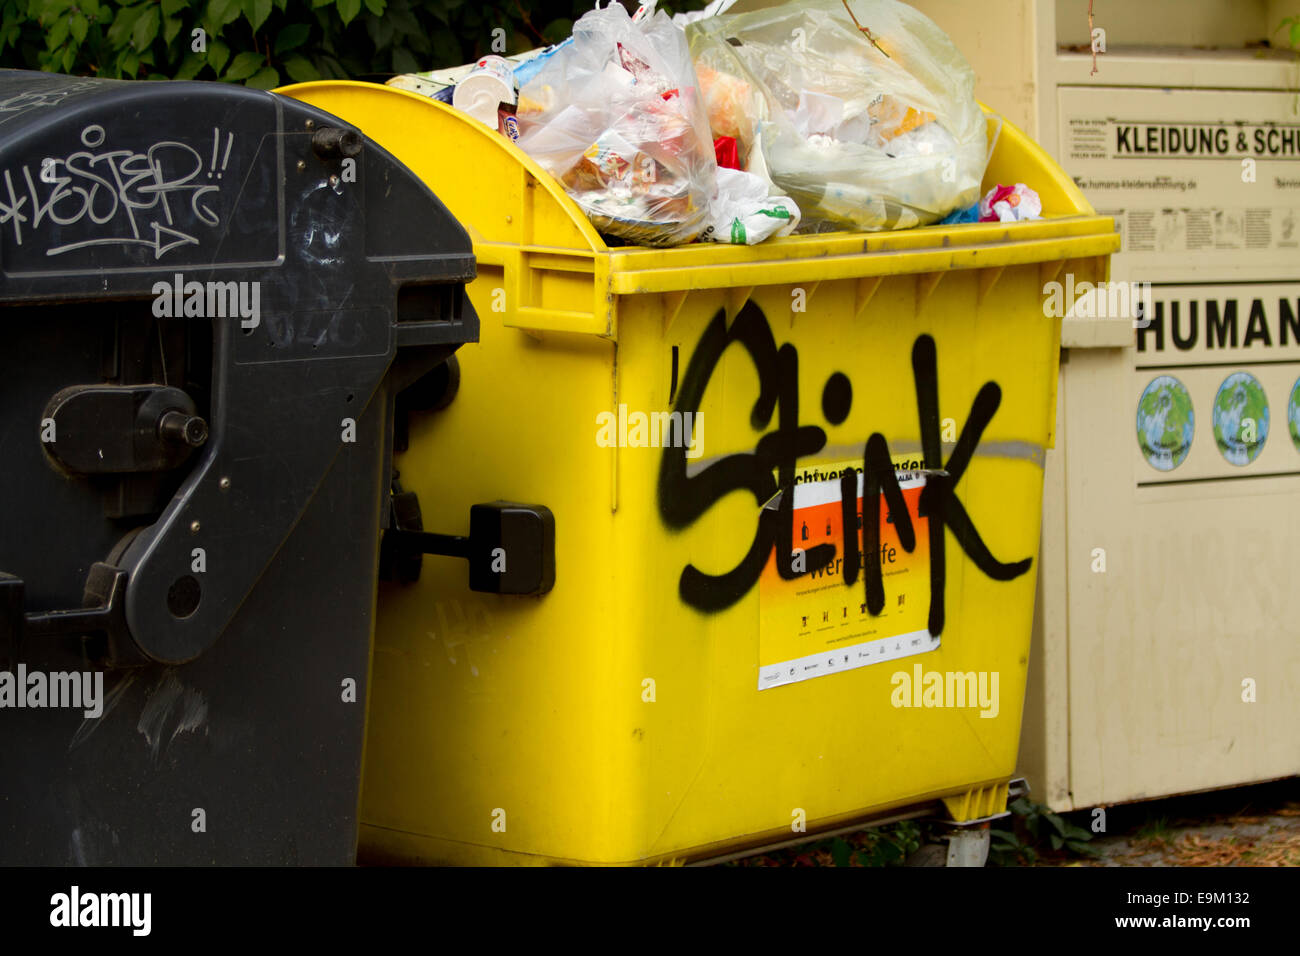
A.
x: 265, y: 43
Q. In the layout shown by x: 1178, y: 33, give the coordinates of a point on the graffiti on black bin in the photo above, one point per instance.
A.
x: 683, y: 499
x: 157, y: 196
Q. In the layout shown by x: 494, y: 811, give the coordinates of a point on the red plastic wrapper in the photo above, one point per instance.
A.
x: 727, y: 152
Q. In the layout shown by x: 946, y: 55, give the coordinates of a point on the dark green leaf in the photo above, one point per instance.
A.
x: 146, y: 28
x: 1076, y: 833
x: 326, y: 41
x: 190, y: 66
x: 218, y: 13
x: 244, y: 66
x: 300, y: 69
x: 404, y: 61
x: 420, y: 46
x: 171, y: 27
x: 267, y: 78
x: 128, y: 63
x: 171, y: 7
x: 1056, y: 841
x: 291, y: 37
x: 403, y: 20
x: 119, y: 34
x: 218, y: 54
x: 376, y: 7
x: 228, y: 12
x: 840, y: 851
x: 381, y: 32
x: 348, y: 9
x: 446, y: 51
x: 58, y: 33
x: 78, y: 25
x: 330, y: 68
x: 352, y: 64
x: 256, y: 12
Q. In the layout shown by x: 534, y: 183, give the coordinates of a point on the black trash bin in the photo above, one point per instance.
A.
x: 210, y: 297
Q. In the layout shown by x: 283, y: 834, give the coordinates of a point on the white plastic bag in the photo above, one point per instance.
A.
x: 746, y: 212
x: 863, y: 135
x: 616, y: 117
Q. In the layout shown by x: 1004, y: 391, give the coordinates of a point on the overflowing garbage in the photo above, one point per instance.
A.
x: 616, y: 117
x: 810, y: 116
x: 864, y: 132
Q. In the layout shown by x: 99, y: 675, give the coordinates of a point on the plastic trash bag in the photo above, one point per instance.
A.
x: 862, y: 135
x: 745, y: 212
x: 616, y: 116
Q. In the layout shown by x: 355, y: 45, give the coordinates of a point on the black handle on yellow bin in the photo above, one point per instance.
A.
x: 510, y: 548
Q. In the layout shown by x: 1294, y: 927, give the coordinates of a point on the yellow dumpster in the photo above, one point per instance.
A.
x: 796, y: 491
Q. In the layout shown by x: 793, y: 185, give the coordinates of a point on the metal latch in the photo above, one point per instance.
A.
x: 510, y: 548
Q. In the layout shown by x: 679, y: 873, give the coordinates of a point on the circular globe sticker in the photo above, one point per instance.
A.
x: 1165, y: 423
x: 1293, y: 414
x: 1240, y: 418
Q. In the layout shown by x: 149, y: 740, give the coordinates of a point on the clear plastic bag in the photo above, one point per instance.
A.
x: 862, y: 135
x: 616, y: 117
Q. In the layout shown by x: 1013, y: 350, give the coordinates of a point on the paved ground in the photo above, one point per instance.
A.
x: 1244, y: 826
x: 1248, y: 826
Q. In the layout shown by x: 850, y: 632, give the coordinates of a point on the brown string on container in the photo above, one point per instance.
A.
x: 864, y: 29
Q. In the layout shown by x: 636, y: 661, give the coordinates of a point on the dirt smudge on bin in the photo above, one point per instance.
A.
x: 171, y: 704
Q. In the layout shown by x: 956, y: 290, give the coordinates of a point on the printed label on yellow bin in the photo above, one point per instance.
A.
x: 818, y: 623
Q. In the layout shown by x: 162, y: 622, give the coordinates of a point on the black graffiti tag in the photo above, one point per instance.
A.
x: 682, y: 499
